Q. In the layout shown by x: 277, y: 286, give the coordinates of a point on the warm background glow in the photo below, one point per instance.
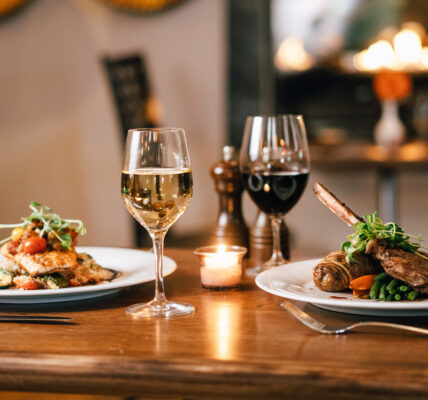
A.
x: 404, y: 51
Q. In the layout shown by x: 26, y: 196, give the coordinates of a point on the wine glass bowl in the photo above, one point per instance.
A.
x: 156, y: 189
x: 274, y: 163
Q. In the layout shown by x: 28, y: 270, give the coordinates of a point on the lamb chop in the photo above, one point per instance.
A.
x: 401, y: 264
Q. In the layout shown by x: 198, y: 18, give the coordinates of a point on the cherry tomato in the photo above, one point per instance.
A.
x: 17, y: 234
x: 34, y: 245
x: 12, y: 247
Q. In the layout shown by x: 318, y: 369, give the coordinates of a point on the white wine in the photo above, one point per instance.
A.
x: 156, y: 197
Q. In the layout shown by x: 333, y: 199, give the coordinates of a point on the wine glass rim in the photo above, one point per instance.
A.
x: 158, y: 130
x: 213, y: 250
x: 288, y: 115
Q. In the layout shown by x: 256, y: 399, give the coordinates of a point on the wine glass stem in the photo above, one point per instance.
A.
x: 276, y: 238
x: 158, y: 240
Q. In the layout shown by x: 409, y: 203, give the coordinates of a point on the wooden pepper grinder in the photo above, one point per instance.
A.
x: 261, y: 239
x: 230, y: 227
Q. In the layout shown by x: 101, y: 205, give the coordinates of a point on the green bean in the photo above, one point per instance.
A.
x: 403, y: 288
x: 380, y: 277
x: 382, y: 292
x: 374, y: 290
x: 397, y: 297
x: 391, y: 286
x: 389, y: 297
x: 413, y: 295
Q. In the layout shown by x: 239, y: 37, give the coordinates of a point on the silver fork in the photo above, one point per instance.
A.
x: 323, y: 328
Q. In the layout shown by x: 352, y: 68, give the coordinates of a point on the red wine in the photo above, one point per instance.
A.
x: 275, y: 192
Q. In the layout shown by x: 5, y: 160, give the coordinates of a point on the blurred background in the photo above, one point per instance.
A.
x: 206, y: 65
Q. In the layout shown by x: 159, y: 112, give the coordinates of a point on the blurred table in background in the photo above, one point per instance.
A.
x: 387, y: 163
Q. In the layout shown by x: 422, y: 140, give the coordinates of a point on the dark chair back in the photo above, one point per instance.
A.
x: 131, y: 92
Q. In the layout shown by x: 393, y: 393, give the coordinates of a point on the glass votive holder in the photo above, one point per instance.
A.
x: 221, y: 266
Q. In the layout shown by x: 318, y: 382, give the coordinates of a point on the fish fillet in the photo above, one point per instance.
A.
x: 43, y: 263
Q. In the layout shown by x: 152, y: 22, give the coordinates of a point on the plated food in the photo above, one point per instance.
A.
x: 379, y: 261
x: 334, y: 273
x: 40, y: 254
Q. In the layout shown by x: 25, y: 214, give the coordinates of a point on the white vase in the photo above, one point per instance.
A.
x: 389, y: 130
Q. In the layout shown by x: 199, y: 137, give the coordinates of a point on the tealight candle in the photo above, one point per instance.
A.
x: 221, y: 266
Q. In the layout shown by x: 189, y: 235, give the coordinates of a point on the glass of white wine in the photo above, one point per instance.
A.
x: 156, y: 188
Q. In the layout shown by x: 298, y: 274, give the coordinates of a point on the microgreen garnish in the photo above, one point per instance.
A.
x: 51, y: 223
x: 372, y: 227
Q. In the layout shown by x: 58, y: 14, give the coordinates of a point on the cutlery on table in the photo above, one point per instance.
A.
x: 327, y: 329
x: 34, y: 318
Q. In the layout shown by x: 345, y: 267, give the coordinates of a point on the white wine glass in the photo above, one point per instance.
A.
x: 274, y: 163
x: 156, y: 188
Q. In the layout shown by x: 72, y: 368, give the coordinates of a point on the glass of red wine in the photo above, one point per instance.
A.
x: 274, y: 163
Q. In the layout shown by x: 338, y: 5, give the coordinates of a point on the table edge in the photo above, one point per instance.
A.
x: 135, y: 376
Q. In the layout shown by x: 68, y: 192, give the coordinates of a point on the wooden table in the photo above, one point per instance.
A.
x: 237, y: 345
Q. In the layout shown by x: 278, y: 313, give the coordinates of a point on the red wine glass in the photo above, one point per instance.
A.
x: 274, y: 163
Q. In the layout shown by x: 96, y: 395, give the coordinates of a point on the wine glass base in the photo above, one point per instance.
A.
x: 253, y: 272
x: 156, y: 309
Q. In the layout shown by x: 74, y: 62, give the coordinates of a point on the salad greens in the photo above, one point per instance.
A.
x: 372, y: 227
x: 51, y: 223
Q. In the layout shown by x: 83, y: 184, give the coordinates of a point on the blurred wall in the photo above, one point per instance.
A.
x: 59, y: 138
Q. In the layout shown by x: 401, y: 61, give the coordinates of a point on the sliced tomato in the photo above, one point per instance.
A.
x: 26, y: 283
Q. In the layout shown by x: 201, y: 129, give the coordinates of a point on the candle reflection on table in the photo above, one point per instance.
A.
x: 222, y: 327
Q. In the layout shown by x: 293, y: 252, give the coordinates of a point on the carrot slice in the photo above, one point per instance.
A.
x: 364, y: 282
x: 360, y: 293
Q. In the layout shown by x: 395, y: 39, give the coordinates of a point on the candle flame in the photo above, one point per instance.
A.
x: 221, y: 248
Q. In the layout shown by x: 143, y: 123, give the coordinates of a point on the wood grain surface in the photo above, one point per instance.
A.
x: 238, y: 344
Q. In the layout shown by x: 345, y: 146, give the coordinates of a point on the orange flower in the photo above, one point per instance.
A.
x: 392, y: 85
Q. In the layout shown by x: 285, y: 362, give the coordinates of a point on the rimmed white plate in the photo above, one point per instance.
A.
x: 134, y: 267
x: 294, y: 281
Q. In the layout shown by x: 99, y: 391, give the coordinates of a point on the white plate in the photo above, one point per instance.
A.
x: 294, y: 281
x: 135, y: 266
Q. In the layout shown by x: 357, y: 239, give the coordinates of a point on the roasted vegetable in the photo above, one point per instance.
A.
x: 26, y: 282
x: 55, y: 281
x: 6, y: 278
x: 364, y: 282
x: 361, y: 286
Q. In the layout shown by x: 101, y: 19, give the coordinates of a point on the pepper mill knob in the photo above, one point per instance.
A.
x: 230, y: 228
